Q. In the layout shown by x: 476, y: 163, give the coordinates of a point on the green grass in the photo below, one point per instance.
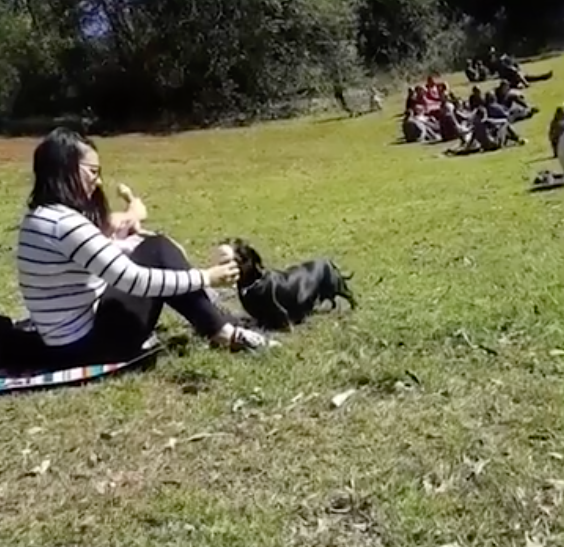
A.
x: 471, y: 305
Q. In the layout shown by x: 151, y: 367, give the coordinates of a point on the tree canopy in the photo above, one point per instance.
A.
x: 200, y: 61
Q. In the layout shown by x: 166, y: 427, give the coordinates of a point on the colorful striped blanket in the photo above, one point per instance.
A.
x: 79, y: 374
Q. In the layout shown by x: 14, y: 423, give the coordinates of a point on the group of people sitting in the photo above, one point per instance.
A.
x: 502, y: 66
x: 484, y: 121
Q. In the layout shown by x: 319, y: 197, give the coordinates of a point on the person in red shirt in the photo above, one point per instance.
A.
x: 422, y: 99
x: 432, y: 89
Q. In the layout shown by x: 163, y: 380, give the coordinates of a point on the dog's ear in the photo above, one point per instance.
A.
x: 257, y: 260
x: 238, y: 246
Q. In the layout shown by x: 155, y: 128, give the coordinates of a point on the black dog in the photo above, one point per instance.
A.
x: 280, y: 299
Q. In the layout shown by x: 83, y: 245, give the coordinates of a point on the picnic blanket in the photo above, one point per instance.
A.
x: 79, y: 374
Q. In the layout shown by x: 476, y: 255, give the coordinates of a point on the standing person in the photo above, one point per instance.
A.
x: 87, y: 299
x: 556, y: 129
x: 492, y: 61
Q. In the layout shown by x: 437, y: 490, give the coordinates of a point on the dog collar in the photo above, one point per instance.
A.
x: 246, y: 289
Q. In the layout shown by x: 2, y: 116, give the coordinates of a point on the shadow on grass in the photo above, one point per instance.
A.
x: 333, y: 119
x: 540, y: 160
x: 342, y: 117
x: 541, y: 56
x: 39, y: 126
x: 401, y: 140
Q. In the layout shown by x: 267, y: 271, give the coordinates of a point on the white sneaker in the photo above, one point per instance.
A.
x: 244, y: 339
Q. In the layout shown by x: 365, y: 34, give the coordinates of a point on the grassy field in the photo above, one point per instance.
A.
x: 455, y: 436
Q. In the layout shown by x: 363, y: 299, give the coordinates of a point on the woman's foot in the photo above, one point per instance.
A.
x: 239, y: 339
x: 250, y: 340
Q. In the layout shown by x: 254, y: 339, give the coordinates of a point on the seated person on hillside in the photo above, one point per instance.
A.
x: 509, y: 70
x: 422, y: 99
x: 446, y: 93
x: 410, y: 100
x: 430, y: 121
x: 432, y: 89
x: 476, y: 99
x: 515, y: 113
x: 507, y: 96
x: 463, y: 115
x: 556, y: 129
x: 491, y: 62
x: 471, y: 71
x: 488, y: 135
x: 453, y: 103
x: 450, y: 126
x: 482, y: 70
x: 494, y: 109
x: 476, y: 71
x: 413, y: 130
x: 418, y: 127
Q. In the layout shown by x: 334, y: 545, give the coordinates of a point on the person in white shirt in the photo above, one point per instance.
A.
x: 88, y: 298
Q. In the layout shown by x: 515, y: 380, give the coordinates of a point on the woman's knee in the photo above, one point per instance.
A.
x: 163, y: 251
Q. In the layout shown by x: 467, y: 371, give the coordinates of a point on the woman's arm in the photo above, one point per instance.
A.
x: 124, y: 223
x: 82, y: 242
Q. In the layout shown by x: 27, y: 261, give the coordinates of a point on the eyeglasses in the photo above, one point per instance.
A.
x: 95, y: 170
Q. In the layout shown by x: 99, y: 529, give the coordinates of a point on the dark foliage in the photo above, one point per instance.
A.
x: 138, y: 63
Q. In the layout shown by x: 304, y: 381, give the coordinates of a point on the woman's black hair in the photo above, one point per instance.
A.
x: 56, y: 165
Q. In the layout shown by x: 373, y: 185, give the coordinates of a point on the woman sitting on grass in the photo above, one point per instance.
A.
x: 88, y: 299
x: 418, y: 127
x: 488, y: 135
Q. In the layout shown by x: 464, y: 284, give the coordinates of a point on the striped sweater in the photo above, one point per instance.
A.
x: 65, y: 264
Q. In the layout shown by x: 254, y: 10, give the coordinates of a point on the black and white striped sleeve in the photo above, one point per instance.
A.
x: 83, y: 243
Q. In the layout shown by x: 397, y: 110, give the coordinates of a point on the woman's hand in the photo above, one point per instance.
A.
x: 134, y: 205
x: 223, y: 275
x: 123, y: 225
x: 128, y: 222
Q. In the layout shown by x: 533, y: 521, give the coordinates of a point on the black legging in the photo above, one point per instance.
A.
x: 538, y: 77
x: 123, y: 322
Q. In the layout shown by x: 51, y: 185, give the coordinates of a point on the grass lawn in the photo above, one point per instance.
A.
x: 456, y: 435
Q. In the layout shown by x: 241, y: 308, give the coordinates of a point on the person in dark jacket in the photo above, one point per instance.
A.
x: 556, y: 129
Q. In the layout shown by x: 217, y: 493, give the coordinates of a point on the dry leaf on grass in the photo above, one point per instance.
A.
x: 557, y: 484
x: 109, y: 435
x: 35, y: 430
x: 476, y: 467
x: 42, y: 468
x: 340, y: 399
x: 533, y: 541
x: 238, y: 405
x: 102, y: 487
x: 434, y: 485
x: 297, y: 398
x: 201, y: 436
x: 171, y: 444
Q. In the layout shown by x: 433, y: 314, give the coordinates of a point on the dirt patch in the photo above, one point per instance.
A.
x: 16, y: 150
